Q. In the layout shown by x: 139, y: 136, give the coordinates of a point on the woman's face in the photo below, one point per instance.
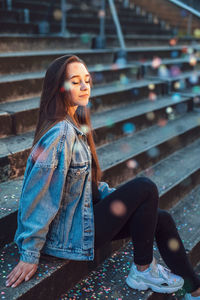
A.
x: 78, y: 83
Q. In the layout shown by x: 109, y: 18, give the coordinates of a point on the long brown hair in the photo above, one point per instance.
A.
x: 54, y: 104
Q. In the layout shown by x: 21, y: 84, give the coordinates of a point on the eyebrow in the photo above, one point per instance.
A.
x: 78, y: 76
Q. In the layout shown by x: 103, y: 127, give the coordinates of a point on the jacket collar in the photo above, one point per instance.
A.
x: 69, y: 118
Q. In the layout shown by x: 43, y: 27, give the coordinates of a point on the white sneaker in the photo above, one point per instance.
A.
x: 156, y: 277
x: 190, y: 297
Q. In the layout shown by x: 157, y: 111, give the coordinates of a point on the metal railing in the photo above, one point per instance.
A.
x: 191, y: 10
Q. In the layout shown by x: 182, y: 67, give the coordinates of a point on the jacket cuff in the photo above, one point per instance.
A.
x: 30, y: 257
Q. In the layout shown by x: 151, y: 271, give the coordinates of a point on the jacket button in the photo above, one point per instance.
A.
x: 87, y: 205
x: 88, y: 230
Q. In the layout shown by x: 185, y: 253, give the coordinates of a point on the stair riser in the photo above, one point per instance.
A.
x: 9, y: 44
x: 20, y: 89
x: 14, y: 165
x: 34, y: 29
x: 25, y: 121
x: 18, y: 28
x: 108, y: 101
x: 11, y: 65
x: 108, y: 134
x: 182, y: 68
x: 120, y: 173
x: 23, y: 88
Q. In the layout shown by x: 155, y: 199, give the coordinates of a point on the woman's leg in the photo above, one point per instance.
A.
x: 138, y: 197
x: 173, y: 252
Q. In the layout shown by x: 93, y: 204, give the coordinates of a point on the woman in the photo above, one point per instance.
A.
x: 63, y: 200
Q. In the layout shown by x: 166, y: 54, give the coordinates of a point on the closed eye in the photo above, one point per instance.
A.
x: 79, y: 82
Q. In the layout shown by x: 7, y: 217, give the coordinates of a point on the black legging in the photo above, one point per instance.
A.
x: 132, y: 211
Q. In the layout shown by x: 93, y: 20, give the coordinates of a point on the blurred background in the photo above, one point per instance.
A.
x: 143, y: 56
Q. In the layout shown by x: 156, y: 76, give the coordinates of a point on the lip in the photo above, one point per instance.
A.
x: 84, y: 95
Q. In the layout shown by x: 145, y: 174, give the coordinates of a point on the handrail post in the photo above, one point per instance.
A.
x: 9, y: 4
x: 102, y: 20
x: 117, y: 24
x: 121, y: 55
x: 189, y: 24
x: 64, y: 32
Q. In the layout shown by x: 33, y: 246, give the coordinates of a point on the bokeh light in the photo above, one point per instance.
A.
x: 150, y: 115
x: 118, y: 208
x: 67, y: 85
x: 101, y: 13
x: 109, y: 122
x: 151, y: 86
x: 153, y: 152
x: 57, y: 14
x: 85, y: 38
x: 124, y: 79
x: 173, y: 42
x: 175, y: 71
x: 128, y: 128
x: 152, y: 96
x: 173, y: 244
x: 197, y: 33
x: 176, y: 97
x: 163, y: 71
x: 192, y: 60
x: 162, y: 122
x: 132, y: 164
x: 85, y: 128
x: 156, y: 62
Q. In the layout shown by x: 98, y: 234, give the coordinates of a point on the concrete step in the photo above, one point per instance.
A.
x: 9, y: 16
x: 21, y: 116
x: 6, y: 27
x: 19, y: 86
x: 25, y: 84
x: 107, y: 281
x: 35, y: 61
x: 23, y: 42
x: 51, y: 269
x: 146, y: 147
x: 110, y: 98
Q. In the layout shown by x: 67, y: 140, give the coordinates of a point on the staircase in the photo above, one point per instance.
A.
x: 171, y: 14
x: 146, y: 116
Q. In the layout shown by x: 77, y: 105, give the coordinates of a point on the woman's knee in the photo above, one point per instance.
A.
x: 165, y: 220
x: 148, y: 185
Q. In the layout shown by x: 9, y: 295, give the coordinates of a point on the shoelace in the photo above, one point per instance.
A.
x: 160, y: 270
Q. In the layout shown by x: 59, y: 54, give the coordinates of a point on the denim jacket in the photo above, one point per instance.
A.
x: 55, y: 213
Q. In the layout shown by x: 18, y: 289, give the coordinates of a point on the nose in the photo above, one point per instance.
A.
x: 83, y: 86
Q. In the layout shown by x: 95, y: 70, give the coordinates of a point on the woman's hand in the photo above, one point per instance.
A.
x: 22, y: 271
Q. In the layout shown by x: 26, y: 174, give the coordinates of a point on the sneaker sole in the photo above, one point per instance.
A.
x: 142, y: 287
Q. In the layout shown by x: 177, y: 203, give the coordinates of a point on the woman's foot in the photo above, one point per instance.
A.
x: 156, y: 277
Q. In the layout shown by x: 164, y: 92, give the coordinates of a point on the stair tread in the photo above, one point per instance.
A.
x: 112, y: 282
x: 11, y: 189
x: 114, y: 270
x: 109, y: 88
x: 145, y: 139
x: 66, y: 51
x: 16, y: 143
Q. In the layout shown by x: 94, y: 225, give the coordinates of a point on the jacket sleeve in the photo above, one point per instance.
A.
x: 41, y: 194
x: 104, y: 189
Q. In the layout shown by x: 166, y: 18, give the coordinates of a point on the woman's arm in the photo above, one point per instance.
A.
x: 40, y: 200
